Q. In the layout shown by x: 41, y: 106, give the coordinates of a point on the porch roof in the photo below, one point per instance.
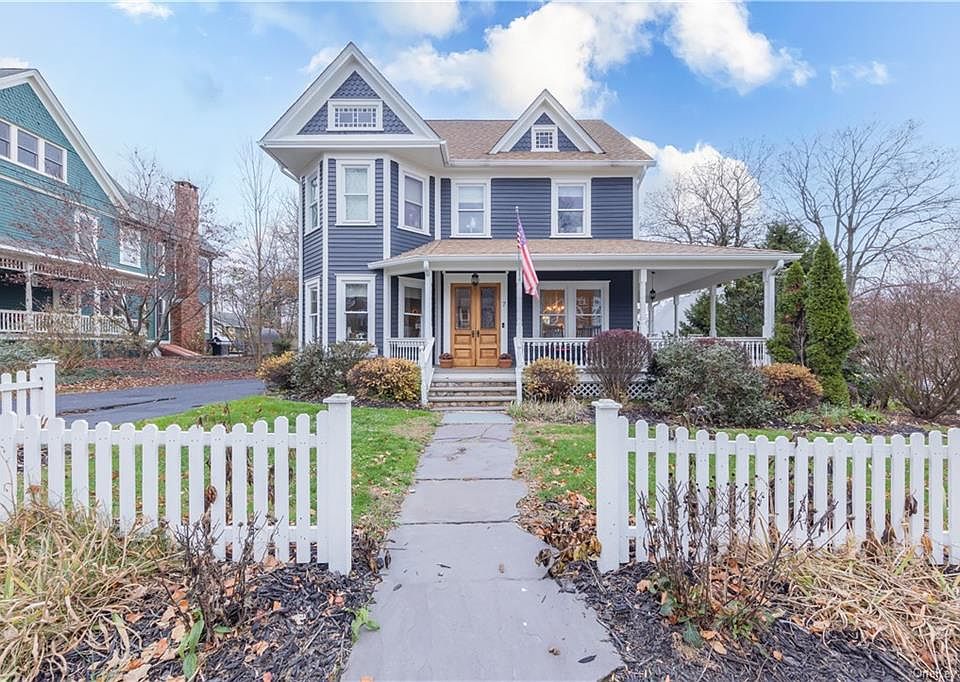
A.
x: 558, y: 254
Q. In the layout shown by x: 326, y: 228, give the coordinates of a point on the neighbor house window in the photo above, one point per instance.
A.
x: 129, y: 243
x: 572, y: 309
x: 571, y: 209
x: 543, y: 138
x: 313, y: 203
x: 355, y: 308
x: 355, y: 193
x: 87, y: 235
x: 28, y: 149
x: 411, y: 308
x: 53, y: 160
x: 4, y: 140
x: 161, y: 264
x: 471, y: 217
x: 312, y: 332
x: 412, y: 199
x: 358, y: 115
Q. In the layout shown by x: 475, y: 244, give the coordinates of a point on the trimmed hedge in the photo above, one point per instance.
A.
x: 550, y: 380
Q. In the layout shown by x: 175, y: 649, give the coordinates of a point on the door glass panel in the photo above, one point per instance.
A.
x: 462, y: 296
x: 488, y: 307
x: 553, y: 313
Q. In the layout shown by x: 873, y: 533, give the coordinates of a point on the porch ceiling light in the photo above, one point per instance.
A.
x: 653, y: 294
x: 475, y: 279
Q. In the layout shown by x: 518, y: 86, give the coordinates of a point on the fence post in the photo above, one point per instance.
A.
x: 339, y: 500
x: 608, y: 456
x: 47, y: 374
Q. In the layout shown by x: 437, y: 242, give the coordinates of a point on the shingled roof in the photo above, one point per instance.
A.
x: 472, y: 139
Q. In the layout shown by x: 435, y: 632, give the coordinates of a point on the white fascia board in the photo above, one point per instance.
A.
x: 69, y: 128
x: 545, y: 102
x: 553, y: 163
x: 342, y: 141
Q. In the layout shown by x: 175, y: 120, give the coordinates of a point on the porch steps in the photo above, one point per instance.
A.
x: 472, y: 392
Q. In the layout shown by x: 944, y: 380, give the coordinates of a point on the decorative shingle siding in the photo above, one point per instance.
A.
x: 611, y: 208
x: 352, y: 247
x: 354, y: 87
x: 621, y: 296
x: 531, y: 195
x: 403, y: 240
x: 564, y: 143
x: 445, y: 208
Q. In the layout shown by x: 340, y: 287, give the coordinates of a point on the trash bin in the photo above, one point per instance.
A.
x: 219, y: 346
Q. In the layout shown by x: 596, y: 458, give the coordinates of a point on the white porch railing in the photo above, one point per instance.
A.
x: 15, y: 322
x: 419, y: 351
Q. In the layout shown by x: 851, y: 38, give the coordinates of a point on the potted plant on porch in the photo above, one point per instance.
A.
x: 446, y: 360
x: 504, y: 361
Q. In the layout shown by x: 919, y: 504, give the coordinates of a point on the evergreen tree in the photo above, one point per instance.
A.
x: 789, y: 333
x: 829, y: 325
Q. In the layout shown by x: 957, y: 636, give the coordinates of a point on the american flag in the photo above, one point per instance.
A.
x: 531, y: 283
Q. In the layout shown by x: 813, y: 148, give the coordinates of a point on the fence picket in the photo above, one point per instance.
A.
x: 173, y: 478
x: 724, y: 501
x: 918, y: 457
x: 839, y: 491
x: 260, y: 509
x: 127, y: 488
x: 195, y: 474
x: 761, y: 484
x: 878, y: 486
x: 281, y: 488
x: 238, y: 480
x: 103, y: 469
x: 802, y: 499
x: 641, y: 484
x: 303, y: 487
x: 703, y: 468
x: 80, y: 463
x: 8, y: 463
x: 662, y: 436
x: 21, y: 396
x: 218, y: 485
x: 898, y: 483
x: 56, y: 464
x: 742, y: 500
x: 953, y: 490
x: 31, y: 456
x: 935, y: 488
x: 820, y: 519
x: 6, y: 396
x: 859, y: 492
x: 781, y: 484
x: 149, y: 476
x: 623, y: 487
x: 681, y: 435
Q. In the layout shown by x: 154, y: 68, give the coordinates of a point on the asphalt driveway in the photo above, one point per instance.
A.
x: 132, y: 404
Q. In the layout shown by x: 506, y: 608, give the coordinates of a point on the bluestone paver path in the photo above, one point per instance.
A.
x: 463, y: 598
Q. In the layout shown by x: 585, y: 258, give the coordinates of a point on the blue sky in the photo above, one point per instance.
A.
x: 193, y: 82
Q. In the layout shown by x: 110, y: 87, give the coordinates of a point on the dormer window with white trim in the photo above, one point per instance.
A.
x: 355, y: 115
x: 543, y: 138
x: 32, y: 151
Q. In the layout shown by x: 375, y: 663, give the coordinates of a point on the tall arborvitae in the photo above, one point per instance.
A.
x: 790, y: 331
x: 830, y: 333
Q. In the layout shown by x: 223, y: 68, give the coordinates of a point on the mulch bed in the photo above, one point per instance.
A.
x: 654, y: 650
x: 108, y: 374
x: 299, y: 628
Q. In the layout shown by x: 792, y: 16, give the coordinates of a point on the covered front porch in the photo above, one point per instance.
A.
x: 459, y: 302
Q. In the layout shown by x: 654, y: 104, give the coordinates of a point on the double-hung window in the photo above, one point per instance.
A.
x: 312, y: 331
x: 53, y: 161
x: 355, y: 308
x: 411, y: 308
x: 355, y: 180
x: 572, y: 309
x: 412, y: 199
x: 543, y: 138
x: 5, y: 137
x: 28, y: 149
x: 313, y: 203
x: 571, y: 209
x: 129, y: 243
x: 87, y: 235
x: 356, y: 115
x: 471, y: 214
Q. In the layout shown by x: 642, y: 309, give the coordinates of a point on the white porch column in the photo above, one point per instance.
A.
x: 519, y: 304
x: 427, y: 301
x: 28, y: 293
x: 713, y: 310
x: 769, y: 293
x: 640, y: 314
x: 387, y: 313
x: 676, y: 315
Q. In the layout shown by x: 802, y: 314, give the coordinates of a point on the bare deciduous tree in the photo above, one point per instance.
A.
x: 718, y: 201
x: 877, y: 194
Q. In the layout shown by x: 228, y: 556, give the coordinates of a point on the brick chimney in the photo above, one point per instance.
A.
x: 186, y: 317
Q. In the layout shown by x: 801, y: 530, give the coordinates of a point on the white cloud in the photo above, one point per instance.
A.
x: 568, y: 49
x: 671, y: 162
x: 714, y: 39
x: 872, y: 73
x: 321, y: 58
x: 144, y: 9
x: 13, y: 63
x: 420, y: 17
x: 267, y: 16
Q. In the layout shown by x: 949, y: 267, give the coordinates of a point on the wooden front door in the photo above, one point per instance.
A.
x: 475, y: 317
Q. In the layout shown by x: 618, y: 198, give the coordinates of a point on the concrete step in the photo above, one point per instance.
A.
x: 466, y: 390
x: 481, y: 398
x: 469, y: 408
x: 473, y: 384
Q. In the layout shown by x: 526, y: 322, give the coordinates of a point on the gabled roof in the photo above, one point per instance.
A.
x: 546, y: 103
x: 13, y: 77
x: 472, y: 139
x: 349, y: 60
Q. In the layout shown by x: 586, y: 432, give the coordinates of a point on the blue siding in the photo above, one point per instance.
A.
x: 611, y: 208
x: 564, y: 143
x: 621, y: 296
x: 355, y: 87
x: 402, y: 240
x: 531, y: 195
x: 445, y: 208
x: 352, y: 248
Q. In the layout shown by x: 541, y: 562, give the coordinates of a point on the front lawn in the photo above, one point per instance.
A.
x: 386, y: 445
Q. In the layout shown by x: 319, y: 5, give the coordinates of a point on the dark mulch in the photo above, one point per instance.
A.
x: 653, y: 649
x: 298, y: 629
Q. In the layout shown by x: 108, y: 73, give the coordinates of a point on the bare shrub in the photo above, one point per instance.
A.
x: 911, y: 344
x: 617, y: 358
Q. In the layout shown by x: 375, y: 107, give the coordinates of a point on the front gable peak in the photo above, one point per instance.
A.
x: 546, y: 126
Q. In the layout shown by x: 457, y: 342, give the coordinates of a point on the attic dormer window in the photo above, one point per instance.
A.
x: 355, y: 115
x: 543, y: 138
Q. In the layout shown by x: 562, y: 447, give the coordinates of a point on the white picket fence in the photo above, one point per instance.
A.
x: 30, y: 393
x: 231, y: 472
x: 905, y: 488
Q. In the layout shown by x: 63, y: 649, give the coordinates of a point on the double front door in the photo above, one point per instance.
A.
x: 475, y: 319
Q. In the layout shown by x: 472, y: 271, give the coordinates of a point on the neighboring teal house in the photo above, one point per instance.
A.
x: 48, y: 169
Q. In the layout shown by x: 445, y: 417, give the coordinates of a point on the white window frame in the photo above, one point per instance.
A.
x: 9, y: 139
x: 555, y: 207
x: 570, y: 303
x: 342, y: 165
x: 543, y: 128
x: 41, y: 153
x: 312, y: 328
x: 455, y: 207
x: 370, y: 281
x: 160, y: 255
x: 409, y: 283
x: 133, y: 257
x: 424, y: 203
x: 313, y: 202
x: 334, y: 104
x: 78, y: 217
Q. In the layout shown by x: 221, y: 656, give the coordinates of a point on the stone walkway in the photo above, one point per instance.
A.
x: 463, y: 598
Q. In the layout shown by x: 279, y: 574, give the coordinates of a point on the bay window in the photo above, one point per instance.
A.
x: 571, y: 309
x: 355, y: 180
x: 355, y: 308
x: 571, y: 209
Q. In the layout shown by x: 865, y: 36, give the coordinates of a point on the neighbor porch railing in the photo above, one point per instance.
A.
x: 419, y: 351
x: 14, y: 322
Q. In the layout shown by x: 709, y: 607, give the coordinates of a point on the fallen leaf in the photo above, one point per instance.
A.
x: 268, y: 676
x: 133, y: 617
x: 137, y: 674
x: 179, y: 630
x: 777, y: 655
x: 718, y: 647
x: 260, y: 647
x: 644, y: 586
x: 708, y: 634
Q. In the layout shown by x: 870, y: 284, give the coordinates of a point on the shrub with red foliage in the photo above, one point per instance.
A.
x: 617, y: 358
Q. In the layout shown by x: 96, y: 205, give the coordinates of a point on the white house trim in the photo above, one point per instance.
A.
x: 311, y: 332
x: 555, y: 183
x: 484, y: 278
x: 371, y: 166
x: 455, y: 207
x: 324, y: 167
x: 546, y: 103
x: 302, y: 183
x: 569, y: 287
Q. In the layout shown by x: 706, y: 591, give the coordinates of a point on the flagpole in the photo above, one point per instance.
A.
x: 519, y: 330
